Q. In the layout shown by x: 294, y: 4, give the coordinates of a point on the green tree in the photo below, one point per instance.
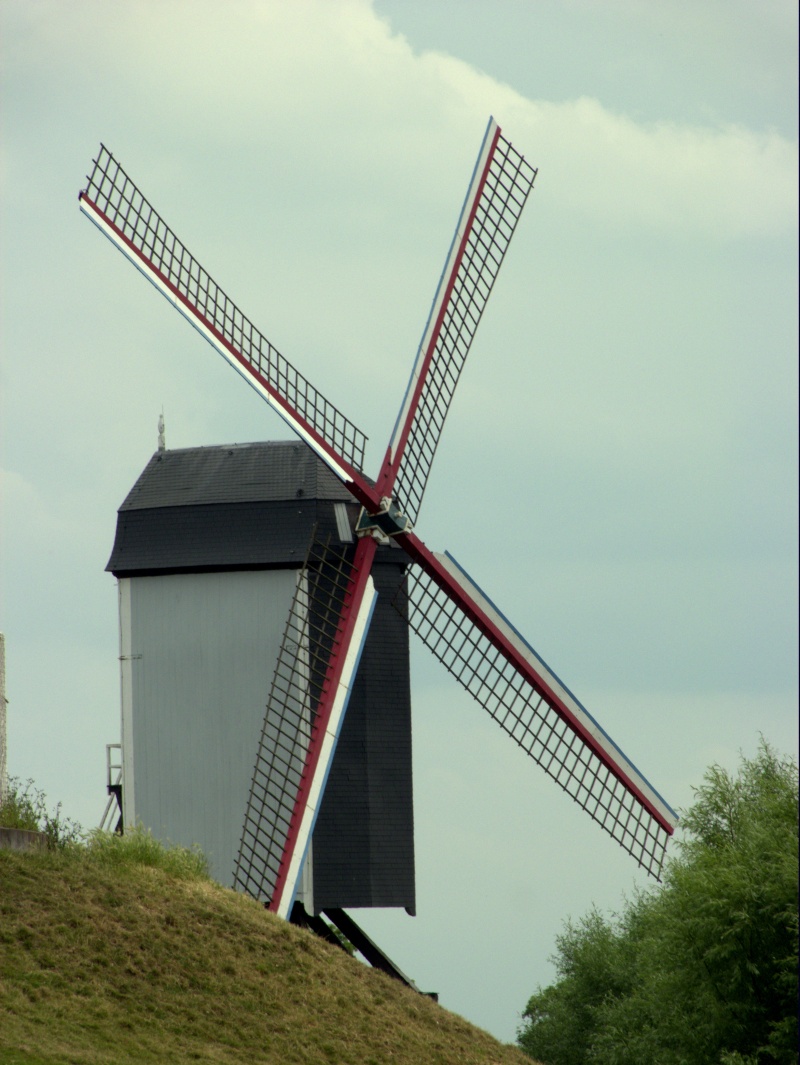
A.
x: 702, y: 971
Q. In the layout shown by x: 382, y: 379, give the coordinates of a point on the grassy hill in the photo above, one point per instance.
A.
x: 110, y: 957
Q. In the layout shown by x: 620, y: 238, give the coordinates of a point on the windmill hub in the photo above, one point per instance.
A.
x: 389, y: 520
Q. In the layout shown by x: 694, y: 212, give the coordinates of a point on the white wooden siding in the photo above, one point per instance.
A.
x: 200, y: 654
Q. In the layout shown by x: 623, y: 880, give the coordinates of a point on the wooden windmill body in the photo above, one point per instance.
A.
x: 209, y: 545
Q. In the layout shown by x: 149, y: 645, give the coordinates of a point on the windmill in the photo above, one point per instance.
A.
x: 335, y: 596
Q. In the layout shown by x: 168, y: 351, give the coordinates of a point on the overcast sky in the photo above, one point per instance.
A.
x: 619, y: 467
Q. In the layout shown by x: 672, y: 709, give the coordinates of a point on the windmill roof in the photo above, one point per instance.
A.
x: 234, y: 473
x: 234, y: 506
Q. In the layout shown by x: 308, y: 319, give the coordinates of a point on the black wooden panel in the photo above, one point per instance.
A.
x: 217, y: 536
x: 364, y: 838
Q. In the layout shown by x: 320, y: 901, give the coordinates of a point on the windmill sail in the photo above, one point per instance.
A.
x: 496, y: 196
x: 446, y: 608
x: 114, y: 203
x: 316, y: 664
x: 503, y: 673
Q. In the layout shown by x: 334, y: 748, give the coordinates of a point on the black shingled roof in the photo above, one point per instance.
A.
x: 234, y: 473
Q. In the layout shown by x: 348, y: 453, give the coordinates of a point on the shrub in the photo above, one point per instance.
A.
x: 704, y: 969
x: 25, y: 807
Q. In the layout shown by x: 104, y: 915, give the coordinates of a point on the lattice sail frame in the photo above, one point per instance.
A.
x: 543, y: 717
x: 114, y: 203
x: 500, y: 185
x: 303, y: 717
x: 498, y: 191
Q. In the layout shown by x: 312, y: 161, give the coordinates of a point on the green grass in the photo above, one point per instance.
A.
x: 120, y: 951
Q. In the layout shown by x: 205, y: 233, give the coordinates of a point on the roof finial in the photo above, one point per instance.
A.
x: 161, y: 442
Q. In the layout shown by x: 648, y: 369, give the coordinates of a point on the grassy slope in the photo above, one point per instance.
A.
x: 129, y: 964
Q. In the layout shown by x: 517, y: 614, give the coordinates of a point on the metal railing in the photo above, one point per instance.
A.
x: 114, y: 787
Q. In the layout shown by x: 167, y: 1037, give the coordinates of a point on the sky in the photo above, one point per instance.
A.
x: 619, y: 467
